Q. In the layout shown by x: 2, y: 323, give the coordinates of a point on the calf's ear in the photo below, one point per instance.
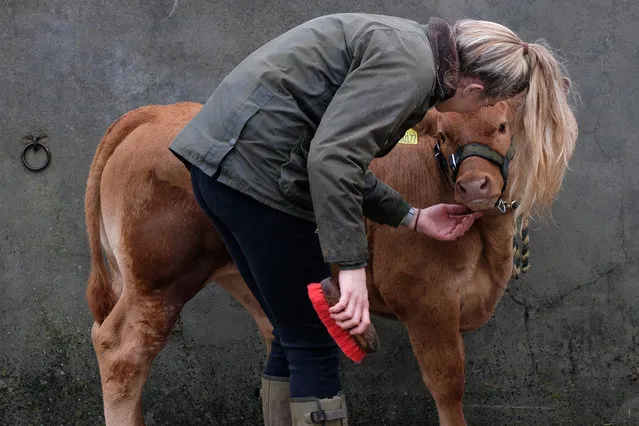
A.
x: 428, y: 125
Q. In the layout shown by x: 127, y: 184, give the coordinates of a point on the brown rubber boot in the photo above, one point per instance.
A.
x: 315, y: 411
x: 276, y: 398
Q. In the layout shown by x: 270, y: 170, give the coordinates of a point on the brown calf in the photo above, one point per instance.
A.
x: 161, y: 250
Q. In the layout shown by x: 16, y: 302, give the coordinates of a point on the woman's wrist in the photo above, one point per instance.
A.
x: 411, y: 218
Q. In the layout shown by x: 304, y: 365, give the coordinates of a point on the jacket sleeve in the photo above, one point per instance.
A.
x: 394, y: 74
x: 382, y: 203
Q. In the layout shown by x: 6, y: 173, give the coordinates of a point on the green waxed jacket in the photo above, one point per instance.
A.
x: 297, y: 123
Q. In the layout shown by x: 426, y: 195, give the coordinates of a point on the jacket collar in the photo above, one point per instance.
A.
x: 444, y: 47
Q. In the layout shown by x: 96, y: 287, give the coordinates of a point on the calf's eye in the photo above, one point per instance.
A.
x: 502, y: 128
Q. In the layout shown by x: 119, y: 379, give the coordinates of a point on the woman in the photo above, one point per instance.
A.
x: 279, y: 159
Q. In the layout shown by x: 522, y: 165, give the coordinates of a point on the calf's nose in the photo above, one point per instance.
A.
x: 475, y: 188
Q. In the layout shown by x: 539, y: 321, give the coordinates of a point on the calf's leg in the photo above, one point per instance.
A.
x: 438, y: 347
x: 126, y: 343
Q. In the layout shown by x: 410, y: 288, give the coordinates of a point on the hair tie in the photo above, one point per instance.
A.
x: 525, y: 48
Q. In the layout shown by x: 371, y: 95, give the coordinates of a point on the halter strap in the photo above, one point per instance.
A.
x: 475, y: 149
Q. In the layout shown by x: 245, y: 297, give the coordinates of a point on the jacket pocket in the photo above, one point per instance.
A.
x: 234, y: 125
x: 257, y: 100
x: 293, y: 182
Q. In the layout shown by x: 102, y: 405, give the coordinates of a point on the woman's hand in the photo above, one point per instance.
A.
x: 351, y: 312
x: 445, y: 221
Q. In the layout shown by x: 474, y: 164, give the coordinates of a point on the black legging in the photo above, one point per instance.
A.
x: 278, y: 255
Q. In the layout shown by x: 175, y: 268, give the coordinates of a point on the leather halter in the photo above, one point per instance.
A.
x: 474, y: 149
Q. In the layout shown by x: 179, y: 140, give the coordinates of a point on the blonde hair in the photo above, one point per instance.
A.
x: 545, y: 129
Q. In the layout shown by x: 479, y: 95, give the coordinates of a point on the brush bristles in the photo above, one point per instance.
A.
x: 342, y: 337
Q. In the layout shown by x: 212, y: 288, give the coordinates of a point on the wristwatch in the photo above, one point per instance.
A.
x: 409, y: 216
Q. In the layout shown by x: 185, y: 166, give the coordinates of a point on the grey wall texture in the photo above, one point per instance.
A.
x: 561, y: 348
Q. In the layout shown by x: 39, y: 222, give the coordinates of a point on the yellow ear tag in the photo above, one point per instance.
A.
x: 409, y: 138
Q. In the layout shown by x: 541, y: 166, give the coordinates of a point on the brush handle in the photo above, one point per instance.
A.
x: 368, y: 340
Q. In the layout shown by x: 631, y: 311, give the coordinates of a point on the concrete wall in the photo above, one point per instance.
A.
x: 562, y: 348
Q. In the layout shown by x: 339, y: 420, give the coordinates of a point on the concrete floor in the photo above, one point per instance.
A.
x: 561, y: 349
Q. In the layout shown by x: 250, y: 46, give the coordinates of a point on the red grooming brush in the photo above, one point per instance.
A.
x: 326, y: 294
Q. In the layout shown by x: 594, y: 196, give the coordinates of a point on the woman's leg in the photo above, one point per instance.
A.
x: 276, y: 364
x: 279, y: 256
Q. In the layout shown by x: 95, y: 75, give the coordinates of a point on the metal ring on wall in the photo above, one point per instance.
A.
x: 35, y: 146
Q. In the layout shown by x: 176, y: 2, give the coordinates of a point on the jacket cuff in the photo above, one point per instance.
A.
x: 401, y: 212
x: 345, y: 246
x: 346, y: 266
x: 382, y: 203
x: 391, y: 213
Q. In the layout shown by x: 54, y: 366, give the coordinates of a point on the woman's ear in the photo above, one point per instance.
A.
x: 473, y: 89
x: 470, y: 85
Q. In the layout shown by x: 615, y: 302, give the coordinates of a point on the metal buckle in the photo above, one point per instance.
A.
x: 501, y: 205
x: 318, y: 416
x: 454, y: 162
x: 437, y: 149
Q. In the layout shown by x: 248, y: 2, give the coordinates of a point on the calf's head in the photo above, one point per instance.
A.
x: 475, y: 151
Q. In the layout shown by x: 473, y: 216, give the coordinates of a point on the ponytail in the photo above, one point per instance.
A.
x: 545, y: 129
x: 545, y: 133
